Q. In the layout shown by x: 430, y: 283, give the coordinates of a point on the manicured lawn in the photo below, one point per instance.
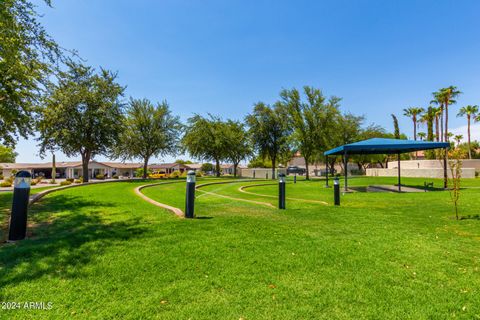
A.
x: 101, y: 252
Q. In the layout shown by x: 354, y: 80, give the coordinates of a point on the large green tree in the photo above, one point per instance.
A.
x: 308, y: 119
x: 269, y: 132
x: 148, y: 130
x: 469, y: 112
x: 238, y: 143
x: 7, y: 154
x: 204, y: 139
x: 28, y: 59
x: 82, y: 114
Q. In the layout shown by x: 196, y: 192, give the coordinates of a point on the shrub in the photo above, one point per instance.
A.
x: 33, y: 182
x: 5, y: 184
x: 139, y: 172
x: 79, y: 180
x: 100, y: 177
x: 198, y: 173
x: 115, y: 177
x: 183, y: 174
x: 1, y: 176
x: 65, y: 183
x: 70, y: 179
x: 175, y: 174
x: 157, y: 175
x: 52, y: 182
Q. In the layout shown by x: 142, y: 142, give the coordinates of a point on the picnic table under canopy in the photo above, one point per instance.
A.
x: 386, y: 146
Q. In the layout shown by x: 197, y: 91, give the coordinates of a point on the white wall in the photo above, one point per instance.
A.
x: 417, y: 173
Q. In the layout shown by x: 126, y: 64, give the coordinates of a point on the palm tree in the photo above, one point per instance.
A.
x: 437, y: 113
x: 437, y: 99
x: 448, y: 95
x: 422, y: 135
x: 413, y: 112
x: 469, y: 111
x: 458, y: 138
x: 449, y: 135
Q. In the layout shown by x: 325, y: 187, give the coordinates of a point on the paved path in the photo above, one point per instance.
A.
x: 138, y: 192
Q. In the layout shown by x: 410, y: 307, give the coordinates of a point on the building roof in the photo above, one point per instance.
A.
x: 167, y: 165
x: 195, y: 165
x: 122, y: 165
x: 385, y: 146
x: 66, y: 164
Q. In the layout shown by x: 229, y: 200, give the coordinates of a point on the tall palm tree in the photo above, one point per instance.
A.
x: 413, y: 113
x: 437, y: 113
x: 471, y: 112
x: 437, y: 99
x: 458, y: 138
x: 448, y: 95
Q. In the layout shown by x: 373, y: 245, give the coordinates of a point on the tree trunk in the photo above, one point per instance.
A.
x: 217, y: 167
x: 468, y: 135
x: 145, y: 167
x: 85, y: 162
x: 235, y: 165
x: 332, y: 166
x: 274, y: 160
x: 437, y: 133
x: 415, y: 133
x: 307, y: 174
x: 446, y: 121
x: 441, y: 125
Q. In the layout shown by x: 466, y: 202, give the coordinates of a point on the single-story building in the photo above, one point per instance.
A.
x: 72, y: 169
x: 168, y: 168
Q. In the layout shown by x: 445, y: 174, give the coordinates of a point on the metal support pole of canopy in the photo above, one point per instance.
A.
x: 345, y: 161
x: 445, y: 176
x: 399, y: 179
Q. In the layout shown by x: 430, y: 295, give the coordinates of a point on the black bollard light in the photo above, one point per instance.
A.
x: 190, y: 197
x: 266, y: 175
x: 336, y: 191
x: 253, y: 174
x: 18, y: 218
x: 281, y: 190
x: 295, y: 178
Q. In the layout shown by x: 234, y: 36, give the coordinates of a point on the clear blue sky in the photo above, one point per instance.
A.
x: 223, y: 56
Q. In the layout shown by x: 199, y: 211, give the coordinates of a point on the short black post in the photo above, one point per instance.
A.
x: 295, y: 178
x: 266, y: 175
x: 18, y: 218
x: 336, y: 191
x: 253, y: 174
x: 281, y: 190
x: 190, y: 197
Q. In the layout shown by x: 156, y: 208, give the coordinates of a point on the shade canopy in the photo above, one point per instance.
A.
x: 385, y: 146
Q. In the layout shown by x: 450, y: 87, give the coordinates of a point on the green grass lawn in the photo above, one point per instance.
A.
x: 101, y: 252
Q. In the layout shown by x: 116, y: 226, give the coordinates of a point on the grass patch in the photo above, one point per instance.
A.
x: 100, y: 252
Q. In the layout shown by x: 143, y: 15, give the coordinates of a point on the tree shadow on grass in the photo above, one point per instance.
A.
x: 470, y: 217
x: 65, y: 243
